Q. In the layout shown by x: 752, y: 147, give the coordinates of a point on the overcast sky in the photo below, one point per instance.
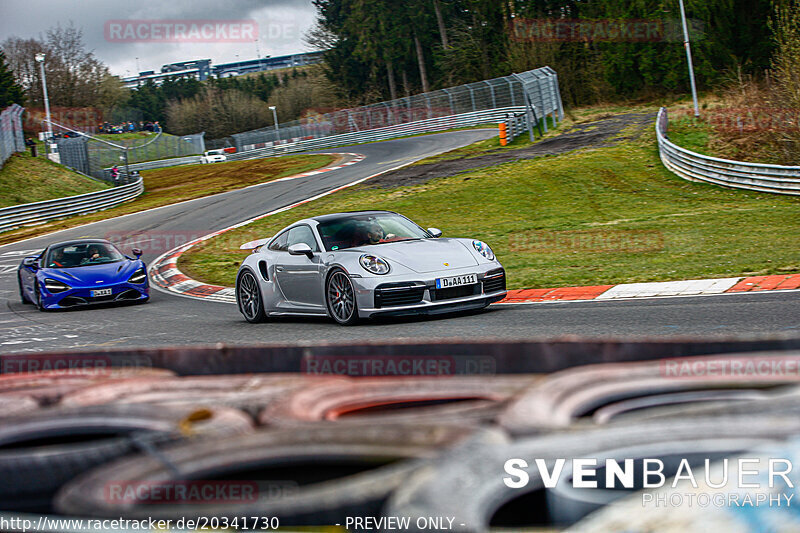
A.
x: 281, y: 25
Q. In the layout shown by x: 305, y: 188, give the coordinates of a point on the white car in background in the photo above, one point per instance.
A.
x: 214, y: 156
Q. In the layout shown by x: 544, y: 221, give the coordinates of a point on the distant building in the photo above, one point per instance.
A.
x: 201, y: 69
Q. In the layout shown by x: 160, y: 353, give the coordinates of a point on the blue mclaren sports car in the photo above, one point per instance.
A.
x: 80, y: 273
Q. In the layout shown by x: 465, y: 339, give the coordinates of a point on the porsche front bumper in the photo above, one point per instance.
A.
x: 401, y: 295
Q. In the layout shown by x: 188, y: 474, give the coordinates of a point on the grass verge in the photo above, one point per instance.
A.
x: 167, y: 186
x: 25, y: 179
x: 601, y: 216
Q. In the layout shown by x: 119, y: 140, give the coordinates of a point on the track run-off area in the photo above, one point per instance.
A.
x: 174, y: 320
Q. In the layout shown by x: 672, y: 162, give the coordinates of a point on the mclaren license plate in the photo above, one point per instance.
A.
x: 456, y: 281
x: 101, y: 292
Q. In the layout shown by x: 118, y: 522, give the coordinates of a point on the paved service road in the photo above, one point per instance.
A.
x: 174, y: 320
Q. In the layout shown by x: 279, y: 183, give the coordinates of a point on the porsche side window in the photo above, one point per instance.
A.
x: 280, y: 243
x: 303, y: 234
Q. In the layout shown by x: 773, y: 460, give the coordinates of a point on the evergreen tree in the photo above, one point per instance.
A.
x: 10, y: 91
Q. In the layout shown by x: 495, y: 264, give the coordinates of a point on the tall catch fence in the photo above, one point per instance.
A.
x: 94, y: 158
x: 11, y: 136
x: 535, y: 92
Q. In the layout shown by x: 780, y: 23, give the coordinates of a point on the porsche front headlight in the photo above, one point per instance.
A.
x: 374, y: 264
x: 483, y: 249
x: 138, y: 277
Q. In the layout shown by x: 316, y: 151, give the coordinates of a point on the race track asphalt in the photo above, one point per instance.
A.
x: 174, y: 320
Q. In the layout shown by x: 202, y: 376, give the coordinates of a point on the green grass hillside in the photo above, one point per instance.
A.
x: 25, y: 179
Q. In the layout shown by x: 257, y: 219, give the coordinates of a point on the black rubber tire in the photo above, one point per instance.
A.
x: 337, y: 274
x: 455, y: 399
x: 38, y: 470
x: 258, y: 314
x: 22, y: 296
x: 562, y: 398
x: 38, y: 302
x: 382, y: 456
x: 467, y: 483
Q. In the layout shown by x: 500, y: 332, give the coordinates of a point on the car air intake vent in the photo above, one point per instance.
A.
x: 72, y: 301
x: 394, y: 295
x: 130, y: 294
x: 494, y: 281
x: 455, y: 292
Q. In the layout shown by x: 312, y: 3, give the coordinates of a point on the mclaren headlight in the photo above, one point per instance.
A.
x: 138, y: 277
x: 54, y: 286
x: 483, y: 249
x: 374, y: 264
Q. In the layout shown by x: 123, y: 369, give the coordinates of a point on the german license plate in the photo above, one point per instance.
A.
x: 101, y: 292
x: 456, y: 281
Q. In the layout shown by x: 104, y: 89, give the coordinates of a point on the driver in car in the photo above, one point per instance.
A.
x: 57, y: 259
x: 374, y: 234
x: 93, y: 254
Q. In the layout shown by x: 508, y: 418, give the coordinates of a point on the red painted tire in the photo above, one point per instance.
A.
x: 377, y: 400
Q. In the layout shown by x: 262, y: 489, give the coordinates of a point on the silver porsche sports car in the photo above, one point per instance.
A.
x: 365, y: 264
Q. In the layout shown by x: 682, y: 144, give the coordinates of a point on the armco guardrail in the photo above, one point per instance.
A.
x: 516, y: 125
x: 20, y: 215
x: 738, y: 174
x: 464, y: 120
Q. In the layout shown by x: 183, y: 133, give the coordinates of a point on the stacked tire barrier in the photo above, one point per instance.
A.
x: 736, y: 174
x: 417, y: 435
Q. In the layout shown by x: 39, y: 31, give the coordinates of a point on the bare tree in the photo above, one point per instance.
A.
x: 786, y: 71
x: 74, y: 74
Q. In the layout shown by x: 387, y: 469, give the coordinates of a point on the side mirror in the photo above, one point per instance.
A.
x: 137, y: 252
x: 301, y: 248
x: 31, y: 262
x: 435, y: 232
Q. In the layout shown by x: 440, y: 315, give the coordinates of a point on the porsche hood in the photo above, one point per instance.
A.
x: 423, y: 256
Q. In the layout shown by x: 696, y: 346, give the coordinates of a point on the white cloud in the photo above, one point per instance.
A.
x: 281, y: 23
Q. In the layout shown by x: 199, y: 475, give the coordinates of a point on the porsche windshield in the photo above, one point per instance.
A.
x: 82, y: 254
x: 366, y: 230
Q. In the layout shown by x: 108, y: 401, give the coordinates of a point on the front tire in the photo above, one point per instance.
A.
x: 340, y: 297
x: 22, y: 296
x: 39, y: 305
x: 249, y: 299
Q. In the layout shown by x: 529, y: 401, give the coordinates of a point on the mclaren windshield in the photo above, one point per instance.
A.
x: 82, y: 254
x: 351, y: 231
